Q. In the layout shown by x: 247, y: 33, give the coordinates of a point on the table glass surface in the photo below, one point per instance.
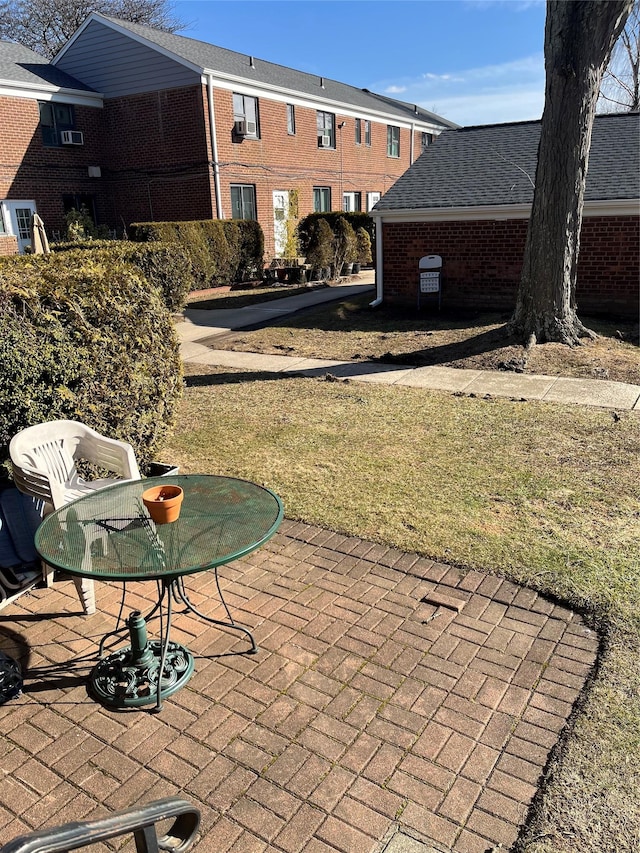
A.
x: 109, y: 535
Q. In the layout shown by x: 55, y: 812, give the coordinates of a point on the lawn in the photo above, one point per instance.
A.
x: 351, y: 330
x: 545, y: 495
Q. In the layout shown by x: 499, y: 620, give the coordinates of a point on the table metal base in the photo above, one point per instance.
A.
x: 130, y: 677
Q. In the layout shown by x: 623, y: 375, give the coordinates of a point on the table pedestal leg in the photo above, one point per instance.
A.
x: 142, y: 673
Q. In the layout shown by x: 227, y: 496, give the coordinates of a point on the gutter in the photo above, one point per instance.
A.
x: 377, y: 218
x: 214, y: 147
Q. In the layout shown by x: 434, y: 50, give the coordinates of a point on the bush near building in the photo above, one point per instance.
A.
x: 84, y: 337
x: 308, y: 227
x: 166, y: 266
x: 221, y: 251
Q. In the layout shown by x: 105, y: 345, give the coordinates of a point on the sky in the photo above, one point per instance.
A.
x: 471, y: 61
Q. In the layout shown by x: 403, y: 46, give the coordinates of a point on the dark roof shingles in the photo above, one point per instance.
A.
x: 496, y: 165
x: 19, y: 64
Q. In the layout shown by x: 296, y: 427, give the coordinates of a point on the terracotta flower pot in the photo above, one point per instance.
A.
x: 163, y: 503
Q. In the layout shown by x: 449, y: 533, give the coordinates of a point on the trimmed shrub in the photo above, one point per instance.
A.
x: 85, y: 338
x: 356, y: 220
x: 318, y: 247
x: 222, y: 251
x: 363, y: 244
x: 344, y: 245
x: 166, y: 266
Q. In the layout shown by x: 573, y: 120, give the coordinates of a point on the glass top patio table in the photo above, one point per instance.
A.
x: 108, y: 535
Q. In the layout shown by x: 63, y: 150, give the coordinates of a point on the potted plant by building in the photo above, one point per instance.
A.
x: 363, y: 243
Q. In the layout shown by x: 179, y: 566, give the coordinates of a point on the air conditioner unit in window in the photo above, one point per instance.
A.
x: 325, y: 141
x: 246, y: 128
x: 71, y: 137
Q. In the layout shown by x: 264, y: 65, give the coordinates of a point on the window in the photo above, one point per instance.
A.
x: 291, y: 119
x: 321, y: 199
x: 427, y: 139
x: 3, y: 230
x: 372, y: 198
x: 352, y: 202
x: 243, y: 201
x: 358, y: 131
x: 367, y: 133
x: 326, y: 130
x: 53, y: 119
x: 245, y: 108
x: 393, y: 141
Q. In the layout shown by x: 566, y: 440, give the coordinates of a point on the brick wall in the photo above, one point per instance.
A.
x: 482, y: 261
x: 31, y: 171
x: 8, y: 246
x: 279, y: 161
x: 156, y: 157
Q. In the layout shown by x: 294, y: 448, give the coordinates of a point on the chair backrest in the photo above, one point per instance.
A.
x: 44, y: 457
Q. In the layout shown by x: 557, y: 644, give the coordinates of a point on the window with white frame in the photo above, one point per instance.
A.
x: 245, y: 116
x: 326, y: 129
x: 54, y: 118
x: 243, y: 201
x: 321, y: 199
x: 393, y: 141
x: 367, y: 133
x: 372, y: 198
x: 291, y: 119
x: 3, y: 229
x: 358, y: 131
x: 427, y: 139
x: 352, y: 202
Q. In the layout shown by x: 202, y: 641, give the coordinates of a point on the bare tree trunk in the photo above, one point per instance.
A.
x: 579, y: 37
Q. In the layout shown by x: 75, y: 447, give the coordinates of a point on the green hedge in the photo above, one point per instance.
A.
x: 307, y: 228
x: 166, y: 266
x: 85, y: 338
x: 222, y: 251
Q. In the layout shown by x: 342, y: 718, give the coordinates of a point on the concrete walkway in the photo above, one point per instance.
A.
x: 200, y: 329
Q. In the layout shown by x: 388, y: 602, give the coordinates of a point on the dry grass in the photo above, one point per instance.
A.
x: 352, y: 330
x: 545, y: 495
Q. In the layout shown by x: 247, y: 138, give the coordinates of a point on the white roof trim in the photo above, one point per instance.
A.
x: 81, y: 97
x: 617, y: 207
x: 255, y: 88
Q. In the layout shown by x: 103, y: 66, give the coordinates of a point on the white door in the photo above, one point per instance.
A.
x: 280, y: 219
x: 17, y: 220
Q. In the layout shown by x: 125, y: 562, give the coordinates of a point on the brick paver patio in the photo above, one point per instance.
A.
x: 389, y: 692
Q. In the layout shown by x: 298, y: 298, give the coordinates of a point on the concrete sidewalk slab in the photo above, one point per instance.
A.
x: 527, y: 386
x: 441, y: 378
x: 594, y: 392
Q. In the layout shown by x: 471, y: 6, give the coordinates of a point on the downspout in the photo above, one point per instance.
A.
x: 378, y: 300
x: 413, y: 131
x: 214, y: 147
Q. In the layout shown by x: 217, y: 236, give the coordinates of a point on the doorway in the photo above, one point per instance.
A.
x: 280, y: 220
x: 17, y: 218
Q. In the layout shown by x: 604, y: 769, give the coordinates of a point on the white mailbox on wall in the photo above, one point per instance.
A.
x: 430, y: 272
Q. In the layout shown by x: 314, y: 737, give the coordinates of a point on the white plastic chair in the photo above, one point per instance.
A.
x: 44, y: 460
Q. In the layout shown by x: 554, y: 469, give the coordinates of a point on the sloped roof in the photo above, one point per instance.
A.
x: 22, y: 66
x: 210, y: 58
x: 496, y: 165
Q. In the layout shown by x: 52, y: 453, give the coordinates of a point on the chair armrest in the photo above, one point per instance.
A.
x: 108, y: 453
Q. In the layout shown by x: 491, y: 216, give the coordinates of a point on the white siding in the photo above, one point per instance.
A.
x: 116, y: 65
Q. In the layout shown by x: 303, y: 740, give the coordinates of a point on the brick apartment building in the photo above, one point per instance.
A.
x: 468, y: 198
x: 167, y: 127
